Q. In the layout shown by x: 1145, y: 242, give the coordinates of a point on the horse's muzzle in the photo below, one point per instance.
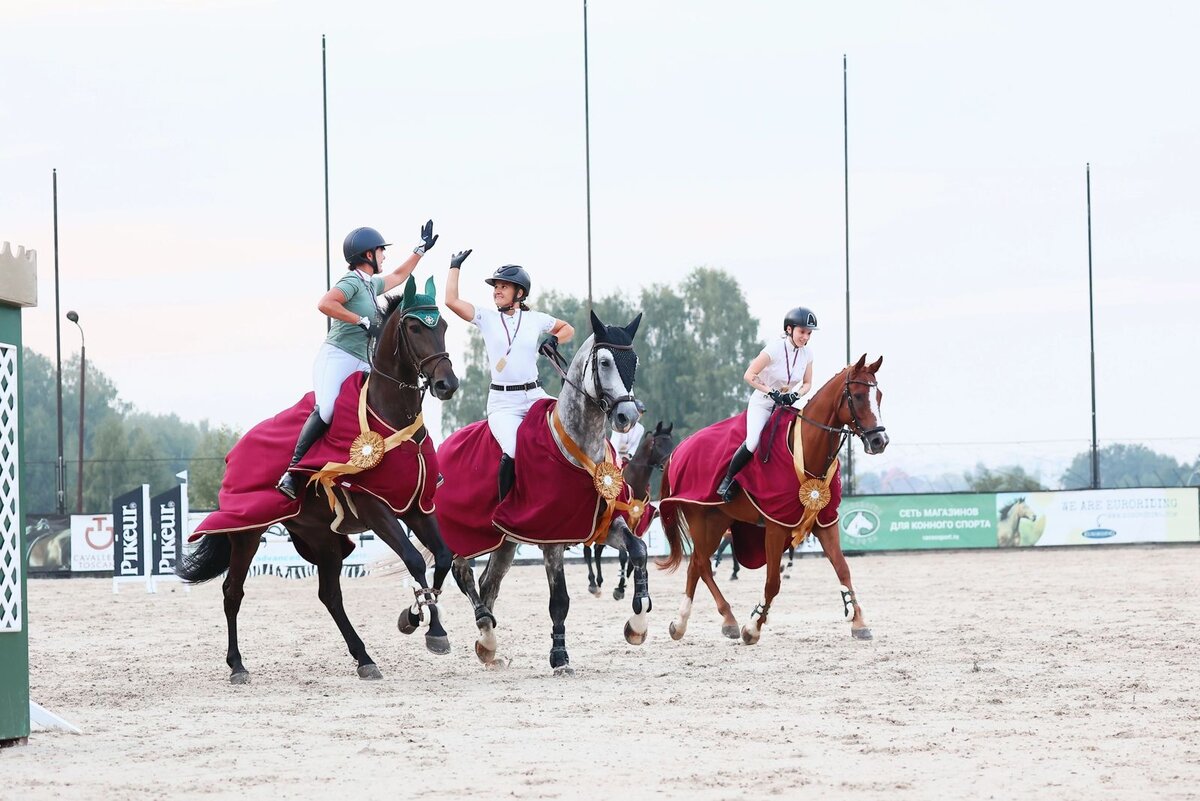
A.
x: 623, y: 416
x: 444, y: 387
x: 875, y: 440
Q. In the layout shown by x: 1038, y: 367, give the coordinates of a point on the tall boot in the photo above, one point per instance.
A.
x: 313, y: 428
x: 507, y: 475
x: 728, y: 486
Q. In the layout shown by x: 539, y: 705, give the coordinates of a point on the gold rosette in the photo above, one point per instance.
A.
x: 608, y: 480
x: 814, y: 495
x: 367, y: 450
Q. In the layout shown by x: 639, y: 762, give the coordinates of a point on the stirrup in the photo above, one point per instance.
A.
x: 728, y: 488
x: 287, y: 484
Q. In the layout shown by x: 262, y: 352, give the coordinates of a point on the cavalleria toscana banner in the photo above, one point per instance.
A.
x: 1098, y: 517
x: 908, y: 522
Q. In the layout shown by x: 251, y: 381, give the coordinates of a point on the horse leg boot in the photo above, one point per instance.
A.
x: 507, y: 475
x: 728, y: 485
x: 313, y: 428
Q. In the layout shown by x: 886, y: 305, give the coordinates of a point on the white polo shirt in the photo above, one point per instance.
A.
x: 513, y: 339
x: 787, y: 365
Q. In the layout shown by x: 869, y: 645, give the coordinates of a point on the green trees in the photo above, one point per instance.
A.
x: 1129, y: 465
x: 1004, y: 479
x: 122, y: 448
x: 693, y: 346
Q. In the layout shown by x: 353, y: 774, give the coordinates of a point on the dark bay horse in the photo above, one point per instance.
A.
x: 650, y: 453
x: 596, y: 397
x: 410, y: 357
x: 847, y: 404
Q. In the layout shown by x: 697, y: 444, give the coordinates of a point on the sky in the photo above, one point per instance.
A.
x: 188, y: 142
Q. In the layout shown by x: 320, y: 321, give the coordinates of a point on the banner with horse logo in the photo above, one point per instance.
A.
x: 917, y: 522
x: 1098, y: 517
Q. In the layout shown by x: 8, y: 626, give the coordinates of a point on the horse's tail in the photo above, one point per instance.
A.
x: 209, y: 560
x: 669, y: 512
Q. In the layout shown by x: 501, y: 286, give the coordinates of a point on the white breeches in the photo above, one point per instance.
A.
x: 332, y: 367
x: 758, y: 412
x: 505, y: 411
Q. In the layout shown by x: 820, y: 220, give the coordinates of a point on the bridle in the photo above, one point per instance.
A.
x: 424, y: 371
x: 602, y: 400
x: 857, y: 429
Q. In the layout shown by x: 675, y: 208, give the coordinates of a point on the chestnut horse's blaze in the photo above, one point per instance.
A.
x: 848, y: 404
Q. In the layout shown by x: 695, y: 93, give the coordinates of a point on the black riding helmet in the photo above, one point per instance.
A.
x: 359, y: 243
x: 800, y: 317
x: 513, y: 274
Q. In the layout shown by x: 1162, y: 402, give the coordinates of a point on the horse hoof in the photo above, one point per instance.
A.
x: 369, y: 672
x: 676, y: 632
x: 618, y: 595
x: 437, y: 645
x: 731, y: 631
x: 749, y: 637
x: 633, y: 637
x: 862, y: 634
x: 407, y: 622
x: 486, y: 655
x: 594, y: 590
x: 241, y: 677
x: 564, y: 670
x: 733, y: 577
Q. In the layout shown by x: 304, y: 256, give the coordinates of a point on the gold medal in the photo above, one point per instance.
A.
x: 500, y: 365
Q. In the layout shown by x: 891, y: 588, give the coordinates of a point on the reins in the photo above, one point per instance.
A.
x: 601, y: 400
x: 843, y: 432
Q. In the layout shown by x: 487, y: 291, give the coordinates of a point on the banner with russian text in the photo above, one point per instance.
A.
x: 908, y: 522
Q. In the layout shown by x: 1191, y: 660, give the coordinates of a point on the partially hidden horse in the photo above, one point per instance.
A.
x: 1008, y: 528
x: 410, y: 357
x: 566, y: 488
x: 847, y: 404
x: 651, y: 453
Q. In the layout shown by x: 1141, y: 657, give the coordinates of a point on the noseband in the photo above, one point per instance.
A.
x: 422, y: 366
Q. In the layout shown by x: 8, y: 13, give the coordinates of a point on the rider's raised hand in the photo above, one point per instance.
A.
x: 428, y: 239
x: 456, y: 261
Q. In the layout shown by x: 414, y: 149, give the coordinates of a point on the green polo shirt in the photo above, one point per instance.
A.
x: 351, y: 337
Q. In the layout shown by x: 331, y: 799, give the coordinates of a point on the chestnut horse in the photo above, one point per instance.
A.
x: 847, y: 404
x: 410, y: 357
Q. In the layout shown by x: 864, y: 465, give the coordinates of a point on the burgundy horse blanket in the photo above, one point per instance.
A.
x: 552, y: 500
x: 699, y: 463
x: 248, y: 498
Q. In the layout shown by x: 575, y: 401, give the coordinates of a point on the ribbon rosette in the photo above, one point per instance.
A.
x: 608, y: 480
x: 814, y: 495
x: 367, y: 450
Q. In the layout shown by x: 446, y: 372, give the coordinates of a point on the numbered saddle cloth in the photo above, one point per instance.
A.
x: 552, y: 500
x: 699, y: 463
x: 248, y: 498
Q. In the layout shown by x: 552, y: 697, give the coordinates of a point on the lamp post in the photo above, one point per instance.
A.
x: 74, y: 317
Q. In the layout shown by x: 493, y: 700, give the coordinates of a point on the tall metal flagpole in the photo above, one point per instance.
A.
x: 1092, y: 333
x: 325, y: 128
x: 60, y: 469
x: 849, y: 475
x: 587, y: 147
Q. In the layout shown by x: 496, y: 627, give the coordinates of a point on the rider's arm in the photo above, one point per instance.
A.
x: 331, y: 306
x: 401, y: 273
x: 562, y: 331
x: 453, y: 302
x: 757, y: 366
x: 807, y: 383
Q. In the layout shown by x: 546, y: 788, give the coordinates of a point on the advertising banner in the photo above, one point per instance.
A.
x: 91, y: 543
x: 1098, y: 517
x: 48, y: 544
x: 166, y: 531
x: 905, y: 522
x: 131, y: 534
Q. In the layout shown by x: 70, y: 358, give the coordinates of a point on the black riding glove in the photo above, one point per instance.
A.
x: 549, y: 349
x: 774, y: 395
x: 788, y: 398
x: 428, y: 239
x: 456, y: 261
x: 369, y: 325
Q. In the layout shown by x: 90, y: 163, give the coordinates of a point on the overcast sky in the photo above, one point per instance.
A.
x: 188, y: 142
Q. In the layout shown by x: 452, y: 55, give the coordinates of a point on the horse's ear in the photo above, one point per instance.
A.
x: 431, y: 288
x: 670, y: 426
x: 598, y: 329
x: 658, y: 428
x: 410, y: 292
x: 632, y: 328
x: 875, y: 365
x: 862, y: 360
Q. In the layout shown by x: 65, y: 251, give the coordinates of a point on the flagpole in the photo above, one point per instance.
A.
x: 587, y: 148
x: 325, y: 128
x: 1092, y: 333
x: 60, y: 469
x: 849, y: 476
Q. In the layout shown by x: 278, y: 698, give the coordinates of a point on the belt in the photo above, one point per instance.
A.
x: 516, y: 387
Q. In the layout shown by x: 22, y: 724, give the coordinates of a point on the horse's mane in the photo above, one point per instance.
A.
x: 393, y: 303
x: 1004, y: 512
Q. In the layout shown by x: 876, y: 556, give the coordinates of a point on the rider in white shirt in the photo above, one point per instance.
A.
x: 510, y: 333
x: 626, y: 444
x: 780, y: 374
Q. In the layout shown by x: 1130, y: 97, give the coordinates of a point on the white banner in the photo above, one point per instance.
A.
x: 91, y: 543
x: 1098, y: 517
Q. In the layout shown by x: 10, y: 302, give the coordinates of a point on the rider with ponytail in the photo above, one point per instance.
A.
x: 510, y: 333
x: 780, y: 375
x: 351, y: 305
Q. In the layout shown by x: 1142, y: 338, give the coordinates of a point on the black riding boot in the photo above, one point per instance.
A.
x: 313, y: 428
x: 728, y: 486
x: 507, y: 474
